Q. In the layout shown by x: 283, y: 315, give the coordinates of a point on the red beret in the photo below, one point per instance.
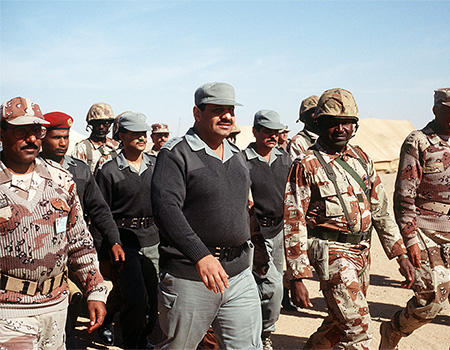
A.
x: 58, y: 120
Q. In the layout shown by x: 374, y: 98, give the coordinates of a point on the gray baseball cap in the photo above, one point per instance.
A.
x: 132, y: 121
x: 215, y: 94
x: 268, y: 119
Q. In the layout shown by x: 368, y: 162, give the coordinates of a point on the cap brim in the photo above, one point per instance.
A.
x: 138, y: 127
x: 27, y: 120
x: 272, y: 126
x: 222, y: 102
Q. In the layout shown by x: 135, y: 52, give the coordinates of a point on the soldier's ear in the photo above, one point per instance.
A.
x: 197, y: 113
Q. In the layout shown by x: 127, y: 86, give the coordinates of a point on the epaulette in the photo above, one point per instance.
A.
x: 172, y: 143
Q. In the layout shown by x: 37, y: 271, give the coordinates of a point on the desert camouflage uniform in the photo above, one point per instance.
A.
x: 301, y: 142
x: 153, y: 151
x: 41, y: 231
x: 422, y: 204
x: 311, y: 204
x: 100, y: 154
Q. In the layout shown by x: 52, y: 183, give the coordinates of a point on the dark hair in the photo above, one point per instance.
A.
x: 258, y: 127
x: 201, y: 106
x: 122, y: 130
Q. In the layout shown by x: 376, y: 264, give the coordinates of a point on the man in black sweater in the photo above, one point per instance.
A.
x: 269, y: 168
x: 125, y: 183
x: 54, y: 147
x: 200, y: 200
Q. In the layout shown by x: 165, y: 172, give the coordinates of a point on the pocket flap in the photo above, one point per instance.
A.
x: 433, y: 168
x: 166, y: 298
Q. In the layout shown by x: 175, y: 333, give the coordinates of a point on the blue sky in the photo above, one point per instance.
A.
x: 150, y: 56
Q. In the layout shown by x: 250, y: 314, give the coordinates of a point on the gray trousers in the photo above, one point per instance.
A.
x: 270, y: 285
x: 187, y: 309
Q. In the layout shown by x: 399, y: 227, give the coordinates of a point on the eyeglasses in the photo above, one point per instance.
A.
x: 22, y: 132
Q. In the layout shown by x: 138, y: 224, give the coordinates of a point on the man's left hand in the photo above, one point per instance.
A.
x: 408, y: 271
x: 97, y: 313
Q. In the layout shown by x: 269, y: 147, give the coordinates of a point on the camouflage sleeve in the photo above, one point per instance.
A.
x: 79, y: 151
x: 409, y: 176
x: 296, y: 202
x: 82, y: 257
x: 382, y: 216
x: 297, y: 146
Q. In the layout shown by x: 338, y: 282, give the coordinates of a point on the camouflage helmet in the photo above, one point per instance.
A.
x: 99, y: 111
x: 338, y: 103
x: 309, y: 103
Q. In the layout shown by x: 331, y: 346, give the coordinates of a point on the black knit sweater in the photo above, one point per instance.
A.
x: 199, y: 203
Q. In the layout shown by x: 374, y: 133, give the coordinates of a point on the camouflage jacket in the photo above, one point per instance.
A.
x: 100, y: 153
x: 40, y: 236
x: 301, y: 142
x: 311, y: 201
x: 422, y: 187
x: 153, y: 151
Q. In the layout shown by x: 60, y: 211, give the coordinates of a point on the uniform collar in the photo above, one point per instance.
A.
x: 68, y: 162
x: 251, y: 153
x: 196, y: 144
x: 123, y: 164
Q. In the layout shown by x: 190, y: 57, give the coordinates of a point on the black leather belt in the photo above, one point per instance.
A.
x: 339, y: 236
x: 135, y: 222
x: 227, y: 253
x: 266, y: 221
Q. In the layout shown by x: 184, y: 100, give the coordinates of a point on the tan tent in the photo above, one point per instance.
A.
x: 74, y: 137
x: 381, y: 139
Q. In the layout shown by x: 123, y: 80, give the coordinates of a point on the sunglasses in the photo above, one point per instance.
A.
x: 22, y: 132
x: 106, y: 123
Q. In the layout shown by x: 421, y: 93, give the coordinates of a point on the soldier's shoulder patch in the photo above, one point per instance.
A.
x: 172, y: 143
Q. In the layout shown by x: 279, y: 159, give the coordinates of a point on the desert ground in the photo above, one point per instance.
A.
x: 385, y: 296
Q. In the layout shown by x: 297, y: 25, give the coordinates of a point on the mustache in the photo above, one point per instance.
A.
x: 30, y: 145
x: 272, y: 140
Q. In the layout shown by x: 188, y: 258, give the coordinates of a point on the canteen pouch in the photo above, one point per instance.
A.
x: 318, y: 257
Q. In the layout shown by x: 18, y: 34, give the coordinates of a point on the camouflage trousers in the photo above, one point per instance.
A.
x: 344, y: 286
x: 432, y: 283
x: 38, y: 332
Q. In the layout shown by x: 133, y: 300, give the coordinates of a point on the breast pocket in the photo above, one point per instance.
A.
x: 333, y: 206
x: 431, y: 168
